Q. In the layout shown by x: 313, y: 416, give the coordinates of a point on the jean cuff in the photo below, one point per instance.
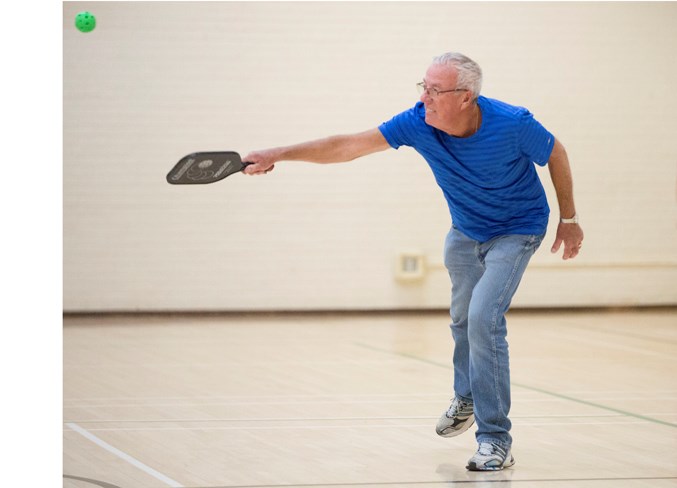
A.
x: 466, y: 400
x: 493, y: 440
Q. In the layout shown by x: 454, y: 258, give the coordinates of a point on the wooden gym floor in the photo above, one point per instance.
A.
x: 350, y: 400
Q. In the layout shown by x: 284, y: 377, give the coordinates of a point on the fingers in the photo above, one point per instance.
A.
x: 555, y: 247
x: 258, y: 169
x: 571, y: 236
x: 259, y: 164
x: 571, y: 251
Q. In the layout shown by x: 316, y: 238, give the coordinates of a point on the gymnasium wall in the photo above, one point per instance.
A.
x: 155, y: 81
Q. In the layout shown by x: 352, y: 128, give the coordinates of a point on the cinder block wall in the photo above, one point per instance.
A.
x: 157, y: 80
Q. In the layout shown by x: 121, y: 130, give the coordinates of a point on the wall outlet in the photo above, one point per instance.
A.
x: 410, y: 266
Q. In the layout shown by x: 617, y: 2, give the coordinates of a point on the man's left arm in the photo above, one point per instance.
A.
x: 569, y: 234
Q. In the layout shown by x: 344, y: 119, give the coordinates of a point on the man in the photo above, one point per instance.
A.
x: 482, y: 154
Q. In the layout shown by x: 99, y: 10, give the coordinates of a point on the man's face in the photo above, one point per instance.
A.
x: 443, y: 109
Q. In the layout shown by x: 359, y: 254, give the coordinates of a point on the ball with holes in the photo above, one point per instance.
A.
x: 85, y: 22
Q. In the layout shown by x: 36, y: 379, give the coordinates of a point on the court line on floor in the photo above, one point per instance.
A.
x: 123, y: 455
x: 527, y: 387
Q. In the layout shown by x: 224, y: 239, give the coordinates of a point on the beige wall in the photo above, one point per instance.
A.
x: 157, y: 80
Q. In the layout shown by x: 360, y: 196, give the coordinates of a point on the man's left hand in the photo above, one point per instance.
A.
x: 572, y: 237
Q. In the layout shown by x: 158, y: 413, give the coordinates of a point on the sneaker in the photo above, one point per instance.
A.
x: 457, y: 419
x: 490, y: 457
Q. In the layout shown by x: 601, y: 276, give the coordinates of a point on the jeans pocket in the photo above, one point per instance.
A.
x: 534, y: 242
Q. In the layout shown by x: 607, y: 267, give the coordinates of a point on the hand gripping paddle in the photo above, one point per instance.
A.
x: 201, y: 168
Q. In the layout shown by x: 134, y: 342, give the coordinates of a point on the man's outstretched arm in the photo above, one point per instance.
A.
x: 334, y: 149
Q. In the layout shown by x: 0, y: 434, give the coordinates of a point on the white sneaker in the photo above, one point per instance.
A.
x: 457, y: 419
x: 490, y: 457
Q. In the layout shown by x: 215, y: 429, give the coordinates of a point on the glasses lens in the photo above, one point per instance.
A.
x: 420, y: 87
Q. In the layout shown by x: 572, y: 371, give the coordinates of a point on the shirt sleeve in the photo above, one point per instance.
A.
x: 535, y: 141
x: 401, y: 129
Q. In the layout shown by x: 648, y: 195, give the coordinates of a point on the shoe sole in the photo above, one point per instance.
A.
x: 468, y: 423
x: 507, y: 464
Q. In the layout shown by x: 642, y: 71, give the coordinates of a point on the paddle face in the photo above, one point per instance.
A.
x: 201, y: 168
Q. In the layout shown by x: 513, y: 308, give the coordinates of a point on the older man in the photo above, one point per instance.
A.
x: 482, y: 153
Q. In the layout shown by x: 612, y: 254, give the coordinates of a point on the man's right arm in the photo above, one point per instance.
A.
x: 334, y: 149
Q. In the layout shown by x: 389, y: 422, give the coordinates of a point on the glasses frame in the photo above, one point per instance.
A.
x: 434, y: 92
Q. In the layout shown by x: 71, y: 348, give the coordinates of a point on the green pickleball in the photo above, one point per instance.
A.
x: 85, y: 22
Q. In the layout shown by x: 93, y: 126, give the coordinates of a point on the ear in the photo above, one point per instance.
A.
x: 468, y: 98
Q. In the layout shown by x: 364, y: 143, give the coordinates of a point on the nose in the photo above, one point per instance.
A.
x: 423, y: 90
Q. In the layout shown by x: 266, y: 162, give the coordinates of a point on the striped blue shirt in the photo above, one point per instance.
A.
x: 488, y: 179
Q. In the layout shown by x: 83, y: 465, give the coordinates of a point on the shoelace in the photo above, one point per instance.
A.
x: 456, y: 407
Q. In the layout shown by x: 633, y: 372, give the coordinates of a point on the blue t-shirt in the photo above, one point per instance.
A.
x: 488, y: 179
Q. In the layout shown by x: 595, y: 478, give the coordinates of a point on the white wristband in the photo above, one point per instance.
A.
x: 572, y: 220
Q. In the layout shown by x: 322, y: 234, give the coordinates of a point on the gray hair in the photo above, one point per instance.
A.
x: 469, y: 72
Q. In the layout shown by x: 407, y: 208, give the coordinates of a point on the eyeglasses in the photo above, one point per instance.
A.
x: 433, y: 92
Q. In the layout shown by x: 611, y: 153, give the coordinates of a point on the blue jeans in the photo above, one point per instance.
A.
x: 484, y: 278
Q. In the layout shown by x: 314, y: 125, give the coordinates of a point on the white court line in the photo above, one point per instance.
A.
x: 125, y: 456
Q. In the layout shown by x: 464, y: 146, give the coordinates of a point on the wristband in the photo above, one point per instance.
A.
x: 572, y: 220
